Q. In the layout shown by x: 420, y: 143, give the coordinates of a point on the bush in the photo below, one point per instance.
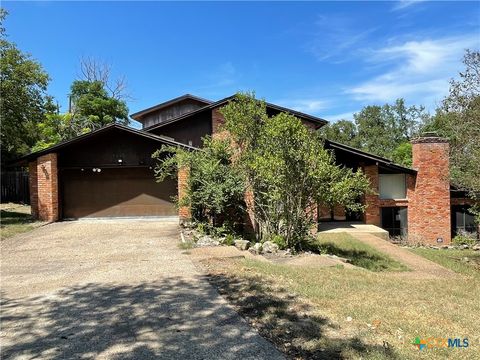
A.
x: 279, y: 240
x: 229, y: 240
x: 465, y: 238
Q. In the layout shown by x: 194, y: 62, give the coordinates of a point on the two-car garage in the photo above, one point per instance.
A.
x: 115, y: 192
x: 105, y: 173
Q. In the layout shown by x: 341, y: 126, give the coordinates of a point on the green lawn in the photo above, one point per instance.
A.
x: 305, y: 311
x: 359, y: 254
x: 16, y: 219
x: 462, y: 261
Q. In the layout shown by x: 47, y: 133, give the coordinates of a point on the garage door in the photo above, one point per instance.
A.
x: 118, y: 192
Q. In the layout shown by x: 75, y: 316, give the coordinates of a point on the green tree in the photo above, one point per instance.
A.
x: 342, y: 131
x: 382, y: 130
x: 23, y: 100
x: 216, y: 188
x: 91, y: 101
x: 287, y: 169
x: 458, y: 119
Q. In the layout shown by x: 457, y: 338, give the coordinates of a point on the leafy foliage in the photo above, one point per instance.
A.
x: 23, y: 101
x: 458, y: 119
x: 382, y: 130
x: 215, y: 187
x: 287, y: 169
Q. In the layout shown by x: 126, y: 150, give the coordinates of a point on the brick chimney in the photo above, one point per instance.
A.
x: 429, y: 206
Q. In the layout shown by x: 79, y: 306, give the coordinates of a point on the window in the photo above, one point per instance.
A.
x: 462, y: 220
x: 395, y: 221
x: 392, y: 186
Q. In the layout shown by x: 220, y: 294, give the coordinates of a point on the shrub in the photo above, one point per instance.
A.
x: 279, y: 240
x: 464, y: 238
x: 229, y: 240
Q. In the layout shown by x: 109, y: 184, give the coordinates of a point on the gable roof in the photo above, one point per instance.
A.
x: 387, y: 163
x: 158, y: 138
x: 319, y: 121
x: 141, y: 113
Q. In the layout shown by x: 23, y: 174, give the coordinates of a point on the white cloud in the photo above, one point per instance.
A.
x: 419, y: 70
x: 403, y: 4
x: 336, y: 36
x: 343, y: 116
x: 308, y: 106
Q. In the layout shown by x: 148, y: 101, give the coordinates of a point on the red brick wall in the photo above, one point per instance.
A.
x: 184, y: 213
x: 33, y: 184
x: 47, y: 187
x: 217, y: 123
x: 429, y: 205
x: 372, y: 213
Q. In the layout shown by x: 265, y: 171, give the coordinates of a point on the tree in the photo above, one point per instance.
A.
x: 91, y: 102
x: 382, y: 130
x: 93, y: 70
x: 288, y: 171
x: 215, y: 187
x: 23, y: 100
x: 458, y: 119
x: 342, y: 131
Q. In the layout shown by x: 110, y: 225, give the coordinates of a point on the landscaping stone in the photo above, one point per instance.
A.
x: 207, y: 241
x: 476, y: 247
x: 270, y: 247
x: 256, y: 249
x: 242, y: 244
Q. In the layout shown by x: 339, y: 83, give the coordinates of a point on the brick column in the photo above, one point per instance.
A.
x: 429, y: 205
x: 33, y: 186
x: 372, y: 213
x: 184, y: 212
x: 47, y: 187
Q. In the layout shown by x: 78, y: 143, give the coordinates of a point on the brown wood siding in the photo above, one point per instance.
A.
x: 171, y: 112
x: 107, y: 149
x: 117, y: 192
x: 190, y: 129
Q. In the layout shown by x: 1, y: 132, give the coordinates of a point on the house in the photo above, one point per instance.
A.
x: 109, y: 173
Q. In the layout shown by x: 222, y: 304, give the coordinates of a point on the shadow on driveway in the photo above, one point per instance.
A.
x: 170, y: 319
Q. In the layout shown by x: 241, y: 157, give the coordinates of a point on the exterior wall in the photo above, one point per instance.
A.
x: 33, y: 184
x: 372, y: 213
x: 217, y: 122
x: 184, y: 213
x: 47, y: 188
x: 171, y: 112
x: 429, y: 206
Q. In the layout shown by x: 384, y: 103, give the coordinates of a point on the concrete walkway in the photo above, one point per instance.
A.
x: 421, y: 267
x: 114, y: 290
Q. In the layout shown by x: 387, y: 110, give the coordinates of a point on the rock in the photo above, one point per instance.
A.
x: 207, y: 241
x: 465, y: 246
x: 476, y: 247
x: 270, y: 247
x: 349, y: 318
x: 256, y: 249
x: 242, y: 244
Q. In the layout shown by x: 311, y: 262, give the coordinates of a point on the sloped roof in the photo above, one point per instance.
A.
x: 159, y: 138
x: 378, y: 159
x: 137, y: 116
x: 224, y: 101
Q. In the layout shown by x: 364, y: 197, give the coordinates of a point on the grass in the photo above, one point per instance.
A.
x: 359, y: 254
x: 464, y: 261
x: 304, y: 311
x: 16, y: 219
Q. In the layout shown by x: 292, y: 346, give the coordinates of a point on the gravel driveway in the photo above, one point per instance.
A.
x: 116, y: 289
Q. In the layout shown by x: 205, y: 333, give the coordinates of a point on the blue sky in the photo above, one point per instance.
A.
x: 325, y: 58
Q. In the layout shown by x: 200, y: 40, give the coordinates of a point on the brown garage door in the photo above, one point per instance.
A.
x: 118, y: 192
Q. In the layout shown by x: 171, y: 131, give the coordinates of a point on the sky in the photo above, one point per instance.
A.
x: 327, y: 59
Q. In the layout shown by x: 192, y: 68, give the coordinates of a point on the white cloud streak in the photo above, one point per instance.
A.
x: 417, y: 69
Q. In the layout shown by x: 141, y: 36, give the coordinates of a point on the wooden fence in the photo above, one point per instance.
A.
x: 14, y: 187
